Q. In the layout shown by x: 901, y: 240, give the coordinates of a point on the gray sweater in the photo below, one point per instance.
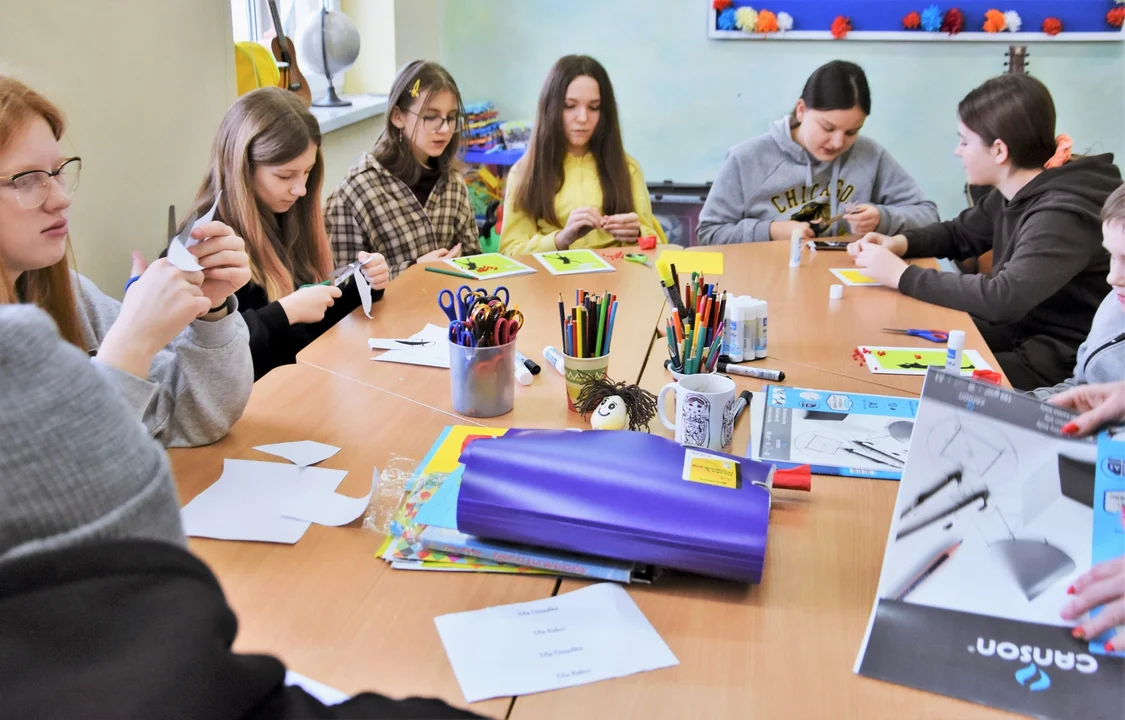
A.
x: 75, y: 464
x: 1101, y: 359
x: 773, y: 179
x: 197, y: 386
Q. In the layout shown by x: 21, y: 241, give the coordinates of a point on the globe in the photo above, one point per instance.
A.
x: 339, y: 34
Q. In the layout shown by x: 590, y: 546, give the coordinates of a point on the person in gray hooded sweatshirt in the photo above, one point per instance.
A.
x: 1042, y: 223
x: 812, y: 168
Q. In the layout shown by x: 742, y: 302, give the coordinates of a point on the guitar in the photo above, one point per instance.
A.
x: 286, y: 56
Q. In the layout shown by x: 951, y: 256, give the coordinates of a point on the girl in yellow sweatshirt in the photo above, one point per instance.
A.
x: 576, y: 187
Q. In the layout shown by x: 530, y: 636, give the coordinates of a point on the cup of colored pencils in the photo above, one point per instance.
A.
x: 695, y: 340
x: 587, y: 333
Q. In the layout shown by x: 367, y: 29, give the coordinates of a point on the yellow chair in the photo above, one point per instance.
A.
x: 254, y: 67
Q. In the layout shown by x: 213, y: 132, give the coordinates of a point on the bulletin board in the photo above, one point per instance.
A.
x: 1013, y: 21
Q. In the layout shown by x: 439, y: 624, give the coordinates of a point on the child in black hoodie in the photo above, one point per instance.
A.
x: 1041, y: 221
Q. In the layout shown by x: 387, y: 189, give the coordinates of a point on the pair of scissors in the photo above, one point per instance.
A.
x: 639, y: 258
x: 455, y: 305
x: 461, y: 333
x: 935, y: 336
x: 495, y: 294
x: 340, y: 275
x: 504, y: 331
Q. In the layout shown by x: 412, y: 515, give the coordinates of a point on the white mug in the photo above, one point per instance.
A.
x: 704, y: 411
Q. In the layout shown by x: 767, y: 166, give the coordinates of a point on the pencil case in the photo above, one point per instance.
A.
x: 620, y: 495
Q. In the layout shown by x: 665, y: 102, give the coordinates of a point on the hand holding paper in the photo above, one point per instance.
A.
x: 178, y: 248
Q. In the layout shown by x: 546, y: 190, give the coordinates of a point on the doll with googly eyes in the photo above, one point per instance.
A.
x: 616, y: 406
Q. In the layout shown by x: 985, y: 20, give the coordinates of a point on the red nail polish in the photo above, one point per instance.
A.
x: 1069, y: 429
x: 1078, y: 633
x: 1070, y: 590
x: 1109, y: 647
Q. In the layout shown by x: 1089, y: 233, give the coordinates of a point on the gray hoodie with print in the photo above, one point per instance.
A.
x: 773, y: 179
x: 1101, y: 359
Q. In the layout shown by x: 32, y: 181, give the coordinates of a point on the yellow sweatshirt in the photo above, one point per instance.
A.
x: 581, y: 187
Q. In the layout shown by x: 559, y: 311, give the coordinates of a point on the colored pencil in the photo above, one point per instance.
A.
x: 446, y: 271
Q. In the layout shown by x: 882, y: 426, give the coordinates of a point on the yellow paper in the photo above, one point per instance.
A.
x: 445, y: 459
x: 714, y: 471
x: 854, y: 277
x: 704, y: 263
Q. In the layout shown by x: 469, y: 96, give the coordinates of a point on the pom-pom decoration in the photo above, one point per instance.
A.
x: 767, y: 22
x: 931, y: 19
x: 953, y: 22
x: 746, y: 18
x: 841, y: 26
x: 784, y: 22
x: 727, y: 21
x: 994, y: 21
x: 1012, y: 21
x: 912, y: 21
x: 720, y: 5
x: 1052, y: 26
x: 1116, y: 17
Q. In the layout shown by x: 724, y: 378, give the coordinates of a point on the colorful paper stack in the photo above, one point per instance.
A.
x: 481, y: 130
x: 589, y: 329
x: 695, y: 331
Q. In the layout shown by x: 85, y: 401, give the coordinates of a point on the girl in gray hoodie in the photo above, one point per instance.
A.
x: 811, y: 168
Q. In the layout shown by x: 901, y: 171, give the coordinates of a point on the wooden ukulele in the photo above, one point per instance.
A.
x: 286, y: 56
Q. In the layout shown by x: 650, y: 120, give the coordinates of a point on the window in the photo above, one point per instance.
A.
x: 253, y: 20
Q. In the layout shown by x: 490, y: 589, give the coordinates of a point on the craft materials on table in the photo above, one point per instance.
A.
x: 576, y: 638
x: 302, y: 453
x: 638, y: 258
x: 994, y: 521
x: 882, y: 360
x: 446, y: 271
x: 835, y: 433
x: 478, y: 318
x: 573, y: 262
x: 694, y: 340
x: 489, y: 265
x: 746, y: 333
x: 429, y: 347
x: 855, y: 278
x: 934, y: 336
x: 178, y: 253
x: 482, y: 351
x: 588, y: 330
x: 704, y: 263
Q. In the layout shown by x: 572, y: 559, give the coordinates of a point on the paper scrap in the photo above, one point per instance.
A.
x: 573, y: 262
x: 320, y: 691
x: 178, y: 253
x: 855, y: 278
x: 301, y: 453
x: 364, y: 290
x: 489, y: 265
x: 429, y: 347
x: 705, y: 263
x: 312, y: 504
x: 580, y: 637
x: 243, y: 503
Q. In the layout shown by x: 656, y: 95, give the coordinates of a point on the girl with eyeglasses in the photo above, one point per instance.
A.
x: 406, y: 199
x: 267, y: 161
x: 576, y: 187
x: 175, y: 349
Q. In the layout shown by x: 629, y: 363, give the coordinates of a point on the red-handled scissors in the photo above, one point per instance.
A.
x: 935, y: 336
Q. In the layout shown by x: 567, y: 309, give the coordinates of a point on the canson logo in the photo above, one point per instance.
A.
x: 1033, y: 674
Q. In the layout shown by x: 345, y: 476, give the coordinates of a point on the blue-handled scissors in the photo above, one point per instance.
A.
x: 455, y: 305
x: 935, y: 336
x: 461, y: 333
x: 485, y: 296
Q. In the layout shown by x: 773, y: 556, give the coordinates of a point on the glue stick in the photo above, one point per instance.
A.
x: 749, y: 327
x: 761, y: 318
x: 795, y: 242
x: 732, y: 334
x: 555, y: 357
x: 523, y: 375
x: 954, y: 346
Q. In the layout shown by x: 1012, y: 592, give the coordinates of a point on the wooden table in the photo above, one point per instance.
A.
x: 411, y: 302
x: 326, y: 606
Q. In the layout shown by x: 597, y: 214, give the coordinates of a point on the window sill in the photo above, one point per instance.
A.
x: 363, y: 107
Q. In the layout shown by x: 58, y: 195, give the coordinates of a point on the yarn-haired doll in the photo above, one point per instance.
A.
x: 613, y: 406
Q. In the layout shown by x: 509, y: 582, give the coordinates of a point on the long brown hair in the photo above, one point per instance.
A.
x: 393, y: 149
x: 269, y: 126
x: 545, y: 156
x: 50, y: 288
x: 1017, y: 109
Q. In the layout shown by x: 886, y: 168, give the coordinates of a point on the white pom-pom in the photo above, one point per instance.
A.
x: 1013, y: 21
x: 785, y: 20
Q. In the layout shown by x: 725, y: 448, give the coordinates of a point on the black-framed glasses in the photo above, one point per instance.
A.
x: 33, y: 186
x: 435, y: 123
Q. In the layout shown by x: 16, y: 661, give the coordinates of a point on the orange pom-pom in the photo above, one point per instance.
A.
x: 912, y: 21
x: 1116, y: 17
x: 1052, y: 26
x: 767, y: 21
x: 994, y: 21
x: 720, y: 5
x: 841, y: 26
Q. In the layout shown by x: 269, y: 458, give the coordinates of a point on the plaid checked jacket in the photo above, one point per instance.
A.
x: 374, y: 211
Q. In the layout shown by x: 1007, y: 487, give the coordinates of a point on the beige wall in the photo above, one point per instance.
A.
x: 144, y: 84
x: 343, y: 147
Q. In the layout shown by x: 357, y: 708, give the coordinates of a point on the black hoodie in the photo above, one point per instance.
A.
x: 1048, y: 266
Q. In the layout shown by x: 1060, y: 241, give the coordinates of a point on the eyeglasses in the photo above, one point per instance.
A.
x: 32, y: 187
x: 435, y: 123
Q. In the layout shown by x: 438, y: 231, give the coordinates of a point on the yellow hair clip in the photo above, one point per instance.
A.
x: 414, y: 88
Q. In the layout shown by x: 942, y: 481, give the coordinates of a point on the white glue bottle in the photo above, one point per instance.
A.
x: 732, y: 333
x: 749, y: 326
x: 761, y: 316
x: 954, y: 346
x: 796, y: 241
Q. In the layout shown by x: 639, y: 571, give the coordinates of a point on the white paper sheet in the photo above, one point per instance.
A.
x: 364, y: 290
x: 301, y: 453
x: 243, y: 504
x: 429, y: 347
x: 178, y: 253
x: 325, y: 508
x: 581, y: 637
x: 320, y: 691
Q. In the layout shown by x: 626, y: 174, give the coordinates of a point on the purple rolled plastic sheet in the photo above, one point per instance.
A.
x: 615, y: 494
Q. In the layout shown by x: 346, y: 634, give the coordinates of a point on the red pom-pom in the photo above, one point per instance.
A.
x: 1052, y: 26
x: 720, y: 5
x: 841, y: 26
x: 1116, y: 16
x: 953, y: 22
x: 912, y: 21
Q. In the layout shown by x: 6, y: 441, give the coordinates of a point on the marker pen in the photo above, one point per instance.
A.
x: 523, y: 375
x: 531, y: 365
x: 756, y: 373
